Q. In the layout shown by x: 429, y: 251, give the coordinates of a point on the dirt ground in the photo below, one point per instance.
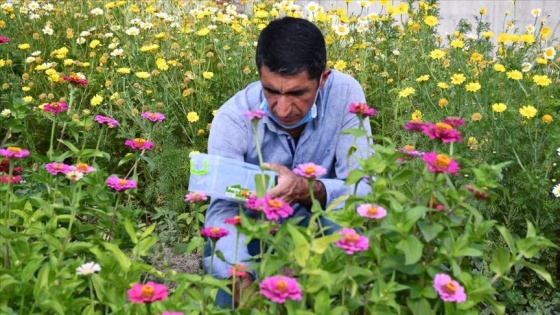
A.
x: 166, y: 260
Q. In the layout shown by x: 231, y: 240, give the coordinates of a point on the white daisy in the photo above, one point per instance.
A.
x: 88, y: 269
x: 556, y: 191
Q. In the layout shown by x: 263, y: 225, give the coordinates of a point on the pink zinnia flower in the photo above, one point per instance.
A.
x: 448, y: 289
x: 14, y: 153
x: 57, y: 167
x: 276, y: 208
x: 196, y: 196
x: 310, y: 170
x: 119, y: 184
x: 478, y: 194
x: 236, y: 220
x: 443, y: 132
x: 215, y: 233
x: 434, y: 204
x: 454, y: 121
x: 139, y: 144
x: 362, y: 109
x: 255, y: 114
x: 11, y: 180
x: 239, y: 269
x: 280, y: 288
x: 414, y: 126
x: 147, y: 293
x: 172, y: 313
x: 4, y: 39
x: 154, y: 117
x: 254, y: 203
x: 440, y: 163
x: 73, y: 78
x: 371, y: 211
x: 106, y: 120
x: 83, y: 168
x: 55, y: 108
x: 410, y: 153
x: 352, y: 241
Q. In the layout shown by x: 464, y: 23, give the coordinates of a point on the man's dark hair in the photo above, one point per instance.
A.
x: 291, y: 46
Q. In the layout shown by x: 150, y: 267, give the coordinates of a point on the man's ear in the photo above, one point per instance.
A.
x: 324, y: 77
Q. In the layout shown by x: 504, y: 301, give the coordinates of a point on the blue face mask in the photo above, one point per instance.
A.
x: 310, y: 115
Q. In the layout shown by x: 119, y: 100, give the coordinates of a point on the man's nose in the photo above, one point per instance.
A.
x: 283, y: 106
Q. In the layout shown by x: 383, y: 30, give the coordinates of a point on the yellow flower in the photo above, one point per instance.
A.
x: 416, y: 116
x: 94, y: 43
x: 499, y: 107
x: 340, y: 65
x: 476, y: 56
x: 515, y: 75
x: 473, y: 87
x: 207, y: 75
x: 457, y: 43
x: 431, y: 20
x: 482, y: 11
x: 472, y: 143
x: 423, y: 78
x: 442, y: 85
x: 96, y: 100
x: 28, y: 99
x: 142, y: 74
x: 488, y: 34
x: 499, y: 67
x: 25, y: 88
x: 547, y: 119
x: 546, y: 31
x: 203, y: 32
x: 476, y: 117
x: 542, y: 80
x: 148, y: 48
x: 192, y: 117
x: 24, y: 46
x: 549, y: 53
x: 123, y: 70
x: 407, y: 92
x: 162, y: 64
x: 458, y: 79
x: 443, y: 102
x: 528, y: 111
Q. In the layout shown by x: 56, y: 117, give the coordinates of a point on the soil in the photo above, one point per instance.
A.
x: 166, y: 260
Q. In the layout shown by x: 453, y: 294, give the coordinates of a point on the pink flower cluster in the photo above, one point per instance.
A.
x: 61, y: 168
x: 448, y: 289
x: 255, y: 114
x: 371, y: 211
x: 147, y: 293
x: 196, y: 196
x: 55, y: 108
x: 444, y: 131
x: 139, y: 144
x: 75, y: 79
x: 5, y: 172
x: 4, y: 40
x: 120, y: 184
x: 153, y: 117
x: 273, y: 208
x: 310, y: 170
x: 14, y: 153
x: 236, y: 220
x: 352, y: 242
x: 278, y: 289
x: 238, y: 269
x: 362, y: 109
x: 440, y: 163
x: 214, y: 233
x: 112, y: 123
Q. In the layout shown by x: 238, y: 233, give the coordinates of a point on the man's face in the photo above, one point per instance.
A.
x: 290, y: 97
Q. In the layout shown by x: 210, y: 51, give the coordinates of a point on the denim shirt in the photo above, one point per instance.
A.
x: 321, y: 142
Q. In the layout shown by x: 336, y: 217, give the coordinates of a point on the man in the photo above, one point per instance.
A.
x: 307, y: 108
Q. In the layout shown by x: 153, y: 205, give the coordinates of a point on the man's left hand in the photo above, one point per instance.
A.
x: 290, y: 188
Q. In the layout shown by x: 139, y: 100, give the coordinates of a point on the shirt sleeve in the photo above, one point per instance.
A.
x: 335, y: 187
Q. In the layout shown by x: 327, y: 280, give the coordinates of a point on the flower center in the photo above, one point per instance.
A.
x: 310, y: 170
x: 443, y: 126
x: 275, y: 203
x: 409, y: 147
x: 152, y: 116
x: 147, y: 291
x: 82, y: 167
x: 139, y: 142
x: 442, y: 161
x: 14, y: 149
x: 281, y: 286
x: 215, y: 230
x: 122, y: 182
x: 58, y: 166
x: 372, y: 210
x: 450, y: 287
x: 352, y: 238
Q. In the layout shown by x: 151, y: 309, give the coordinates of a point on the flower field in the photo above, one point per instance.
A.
x: 101, y: 104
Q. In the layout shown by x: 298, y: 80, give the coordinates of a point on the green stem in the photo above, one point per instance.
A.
x: 91, y: 296
x: 50, y: 153
x: 114, y: 215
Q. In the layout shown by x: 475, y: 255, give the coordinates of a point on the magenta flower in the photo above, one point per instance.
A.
x: 310, y: 170
x: 410, y: 153
x: 454, y: 121
x: 55, y: 108
x: 14, y: 153
x: 106, y: 120
x: 414, y: 126
x: 147, y: 293
x: 11, y: 180
x: 352, y: 241
x: 255, y: 114
x: 154, y: 117
x: 4, y: 39
x: 254, y: 203
x: 75, y: 79
x: 362, y: 109
x: 276, y: 208
x: 195, y: 196
x: 440, y: 163
x: 478, y: 194
x: 214, y: 233
x: 236, y: 220
x: 448, y: 289
x: 239, y: 269
x: 119, y: 184
x: 280, y: 288
x: 442, y: 131
x: 83, y: 168
x: 172, y: 313
x: 139, y: 144
x: 57, y: 167
x: 371, y: 211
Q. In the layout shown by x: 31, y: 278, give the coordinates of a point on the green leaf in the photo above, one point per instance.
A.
x: 539, y: 270
x: 148, y: 231
x: 121, y: 258
x: 501, y: 262
x: 508, y: 238
x: 130, y: 231
x: 412, y: 249
x: 401, y: 177
x: 88, y: 153
x: 354, y: 176
x: 69, y: 145
x: 430, y: 230
x: 320, y: 245
x: 419, y: 306
x: 302, y: 247
x: 531, y: 232
x: 53, y: 241
x: 126, y: 158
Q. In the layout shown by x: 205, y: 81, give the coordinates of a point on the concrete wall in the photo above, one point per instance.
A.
x: 452, y: 11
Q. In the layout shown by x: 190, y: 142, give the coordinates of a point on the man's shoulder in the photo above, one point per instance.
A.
x: 340, y: 78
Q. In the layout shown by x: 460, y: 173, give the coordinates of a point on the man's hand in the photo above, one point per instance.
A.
x: 295, y: 189
x: 242, y: 285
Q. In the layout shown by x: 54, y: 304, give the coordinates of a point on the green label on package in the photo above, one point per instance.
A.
x: 238, y: 192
